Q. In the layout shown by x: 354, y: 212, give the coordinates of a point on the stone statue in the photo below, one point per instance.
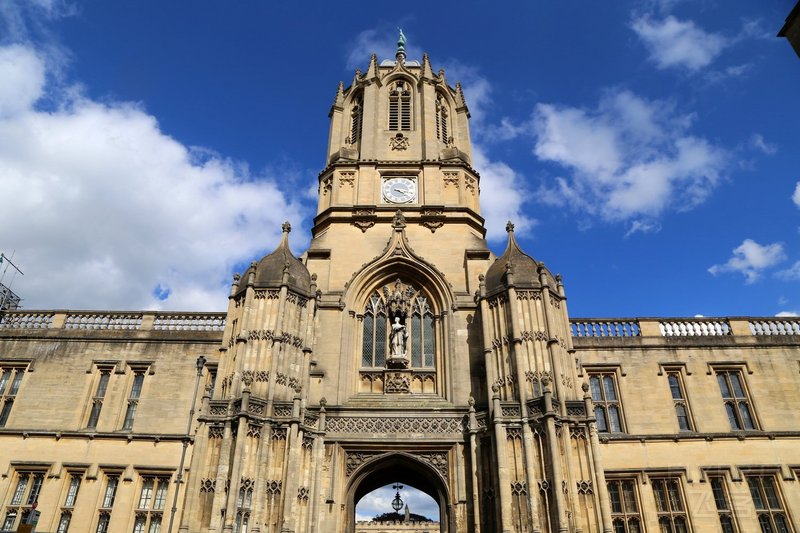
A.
x: 398, y: 338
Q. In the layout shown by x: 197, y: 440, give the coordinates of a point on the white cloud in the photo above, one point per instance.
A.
x: 503, y: 189
x: 757, y: 142
x: 751, y: 259
x: 787, y: 314
x: 796, y: 195
x: 790, y: 274
x: 104, y: 210
x: 676, y: 43
x: 502, y: 196
x: 23, y: 75
x: 629, y: 158
x: 638, y: 226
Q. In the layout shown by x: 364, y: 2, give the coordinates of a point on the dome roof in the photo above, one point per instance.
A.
x: 269, y: 271
x: 524, y: 268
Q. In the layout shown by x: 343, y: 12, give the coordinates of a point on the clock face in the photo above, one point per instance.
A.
x: 399, y: 190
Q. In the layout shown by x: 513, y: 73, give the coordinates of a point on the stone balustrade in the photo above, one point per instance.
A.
x: 112, y: 320
x: 684, y: 327
x: 593, y: 327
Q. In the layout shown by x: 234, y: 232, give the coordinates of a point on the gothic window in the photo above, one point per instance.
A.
x: 625, y: 516
x: 400, y: 106
x: 99, y: 396
x: 722, y: 501
x: 374, y: 338
x: 413, y: 310
x: 10, y: 382
x: 442, y: 117
x: 73, y: 486
x: 356, y: 119
x: 679, y: 400
x: 607, y: 406
x: 769, y: 506
x: 243, y: 503
x: 133, y: 399
x: 110, y: 493
x: 24, y: 497
x: 152, y: 499
x: 671, y: 510
x: 736, y: 400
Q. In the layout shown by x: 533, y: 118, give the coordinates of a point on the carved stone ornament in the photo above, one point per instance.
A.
x: 397, y: 382
x: 347, y: 178
x: 450, y: 179
x: 399, y: 142
x: 364, y: 218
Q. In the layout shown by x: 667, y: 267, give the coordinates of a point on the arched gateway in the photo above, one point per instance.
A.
x: 404, y: 468
x: 398, y: 348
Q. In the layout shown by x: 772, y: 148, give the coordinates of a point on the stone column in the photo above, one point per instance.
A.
x: 597, y: 463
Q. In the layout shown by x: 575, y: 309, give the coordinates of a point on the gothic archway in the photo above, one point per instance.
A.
x: 403, y: 468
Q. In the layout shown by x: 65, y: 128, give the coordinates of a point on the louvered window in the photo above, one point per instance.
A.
x: 356, y: 119
x: 442, y: 116
x: 400, y: 107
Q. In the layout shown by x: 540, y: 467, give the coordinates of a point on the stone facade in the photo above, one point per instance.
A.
x: 396, y: 527
x: 398, y: 348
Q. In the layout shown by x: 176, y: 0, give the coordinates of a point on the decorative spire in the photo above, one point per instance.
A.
x: 338, y: 101
x: 401, y: 47
x: 372, y: 69
x: 427, y: 71
x: 286, y: 228
x: 509, y: 227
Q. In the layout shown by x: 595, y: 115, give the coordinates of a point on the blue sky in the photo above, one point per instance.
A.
x: 646, y: 150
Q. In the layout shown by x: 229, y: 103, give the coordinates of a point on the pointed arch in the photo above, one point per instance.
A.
x: 398, y: 260
x: 422, y: 352
x: 401, y: 97
x: 403, y: 468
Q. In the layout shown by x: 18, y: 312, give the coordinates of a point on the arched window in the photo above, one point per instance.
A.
x: 411, y: 307
x: 400, y: 106
x: 442, y: 116
x: 356, y: 118
x: 421, y: 334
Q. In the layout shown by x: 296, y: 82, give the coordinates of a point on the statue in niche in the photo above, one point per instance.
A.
x: 398, y: 338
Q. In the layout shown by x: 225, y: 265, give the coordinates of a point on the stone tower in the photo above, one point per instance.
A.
x: 398, y: 348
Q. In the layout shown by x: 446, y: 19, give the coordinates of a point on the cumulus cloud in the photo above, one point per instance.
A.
x: 628, y: 158
x: 796, y: 195
x: 790, y: 274
x: 503, y: 189
x: 678, y: 43
x: 502, y: 195
x: 787, y: 314
x: 751, y: 259
x: 105, y: 210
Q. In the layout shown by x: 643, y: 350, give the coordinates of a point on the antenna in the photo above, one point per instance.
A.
x: 8, y: 299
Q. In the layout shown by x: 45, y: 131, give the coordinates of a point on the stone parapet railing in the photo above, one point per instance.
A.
x: 684, y: 327
x: 112, y: 320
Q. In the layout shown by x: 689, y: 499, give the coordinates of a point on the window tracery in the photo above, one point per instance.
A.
x: 398, y: 329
